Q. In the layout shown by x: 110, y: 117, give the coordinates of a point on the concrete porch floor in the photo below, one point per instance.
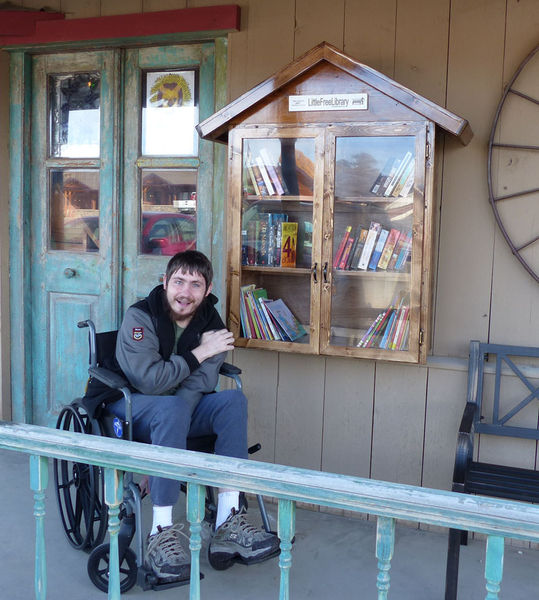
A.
x: 333, y: 557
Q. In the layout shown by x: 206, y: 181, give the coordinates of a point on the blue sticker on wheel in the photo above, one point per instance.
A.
x: 118, y: 427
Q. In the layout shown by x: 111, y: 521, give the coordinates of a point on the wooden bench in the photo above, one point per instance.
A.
x: 500, y: 402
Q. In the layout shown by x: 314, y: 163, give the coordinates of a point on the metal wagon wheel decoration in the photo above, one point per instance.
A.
x: 513, y: 164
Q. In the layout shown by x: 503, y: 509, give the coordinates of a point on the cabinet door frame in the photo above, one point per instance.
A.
x: 421, y: 224
x: 236, y: 137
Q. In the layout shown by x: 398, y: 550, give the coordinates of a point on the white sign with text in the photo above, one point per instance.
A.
x: 328, y: 102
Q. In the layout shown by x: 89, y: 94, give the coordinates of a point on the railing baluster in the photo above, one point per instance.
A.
x: 113, y: 498
x: 39, y: 479
x: 196, y: 496
x: 286, y: 528
x: 385, y: 545
x: 494, y: 565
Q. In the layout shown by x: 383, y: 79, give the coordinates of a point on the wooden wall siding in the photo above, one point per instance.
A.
x: 385, y: 420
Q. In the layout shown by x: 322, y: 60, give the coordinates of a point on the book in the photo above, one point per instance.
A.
x: 377, y: 186
x: 289, y: 240
x: 404, y: 253
x: 251, y: 242
x: 377, y: 252
x: 397, y: 190
x: 387, y: 179
x: 282, y: 314
x: 369, y: 245
x: 265, y: 176
x: 244, y: 317
x: 342, y: 244
x: 276, y: 334
x: 254, y: 296
x: 262, y: 240
x: 409, y: 183
x: 272, y: 172
x: 262, y: 189
x: 251, y: 173
x: 274, y: 238
x: 396, y: 177
x: 346, y: 252
x: 391, y: 241
x: 354, y: 260
x: 396, y: 251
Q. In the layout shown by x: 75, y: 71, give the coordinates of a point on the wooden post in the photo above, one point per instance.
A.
x: 39, y: 479
x: 196, y: 496
x: 286, y: 528
x: 385, y: 545
x: 494, y: 565
x: 113, y: 498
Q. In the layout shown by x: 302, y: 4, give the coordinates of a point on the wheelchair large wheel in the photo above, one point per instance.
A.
x: 79, y: 488
x: 98, y: 568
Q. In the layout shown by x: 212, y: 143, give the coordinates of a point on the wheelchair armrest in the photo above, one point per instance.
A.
x: 113, y: 380
x: 229, y: 370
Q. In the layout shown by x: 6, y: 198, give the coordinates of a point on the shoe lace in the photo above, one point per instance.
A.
x: 169, y: 541
x: 243, y: 523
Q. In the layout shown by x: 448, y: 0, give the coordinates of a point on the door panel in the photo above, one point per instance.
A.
x: 167, y: 91
x: 73, y: 272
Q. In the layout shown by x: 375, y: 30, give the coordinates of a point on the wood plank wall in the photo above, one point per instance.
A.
x: 381, y: 420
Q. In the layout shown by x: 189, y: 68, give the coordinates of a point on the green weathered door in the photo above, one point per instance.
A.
x: 119, y: 182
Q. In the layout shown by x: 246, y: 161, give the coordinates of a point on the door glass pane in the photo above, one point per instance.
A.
x: 373, y: 218
x: 74, y: 106
x: 170, y: 113
x: 74, y: 210
x: 276, y: 230
x: 169, y: 211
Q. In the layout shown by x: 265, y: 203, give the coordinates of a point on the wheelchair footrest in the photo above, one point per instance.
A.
x: 147, y: 580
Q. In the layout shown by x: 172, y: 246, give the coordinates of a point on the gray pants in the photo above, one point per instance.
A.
x: 167, y: 421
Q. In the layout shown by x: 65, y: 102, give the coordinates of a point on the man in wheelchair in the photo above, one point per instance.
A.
x: 170, y: 348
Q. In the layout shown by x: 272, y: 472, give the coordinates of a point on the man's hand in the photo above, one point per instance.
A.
x: 212, y: 343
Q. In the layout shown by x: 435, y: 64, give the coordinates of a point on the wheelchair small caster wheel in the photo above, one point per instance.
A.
x: 98, y: 569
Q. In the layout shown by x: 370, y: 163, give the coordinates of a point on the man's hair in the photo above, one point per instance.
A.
x: 192, y: 262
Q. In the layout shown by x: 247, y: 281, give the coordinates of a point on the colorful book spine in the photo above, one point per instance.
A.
x: 396, y: 177
x: 289, y: 243
x: 272, y: 172
x: 377, y: 252
x: 374, y: 229
x: 346, y: 252
x: 265, y: 176
x: 391, y: 241
x: 340, y: 249
x: 404, y: 253
x: 362, y: 237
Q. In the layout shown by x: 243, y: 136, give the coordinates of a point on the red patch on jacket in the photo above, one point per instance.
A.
x: 138, y: 333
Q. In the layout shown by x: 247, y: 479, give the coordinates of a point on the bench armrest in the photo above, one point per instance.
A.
x: 464, y: 452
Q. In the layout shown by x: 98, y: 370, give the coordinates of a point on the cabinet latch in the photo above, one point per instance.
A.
x: 427, y: 151
x: 421, y: 336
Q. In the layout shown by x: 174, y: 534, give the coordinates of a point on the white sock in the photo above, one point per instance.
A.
x: 226, y: 501
x: 162, y: 517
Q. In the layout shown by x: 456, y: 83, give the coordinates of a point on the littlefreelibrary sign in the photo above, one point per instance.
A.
x: 328, y: 102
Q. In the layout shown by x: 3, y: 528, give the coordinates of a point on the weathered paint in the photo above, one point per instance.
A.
x: 39, y: 479
x: 196, y: 496
x: 496, y: 518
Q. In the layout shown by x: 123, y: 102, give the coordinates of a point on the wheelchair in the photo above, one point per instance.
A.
x: 80, y: 488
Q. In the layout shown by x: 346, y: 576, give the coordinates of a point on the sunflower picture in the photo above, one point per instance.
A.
x: 170, y: 89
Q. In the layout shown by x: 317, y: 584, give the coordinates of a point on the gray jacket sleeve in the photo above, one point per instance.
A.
x: 137, y: 353
x: 201, y: 381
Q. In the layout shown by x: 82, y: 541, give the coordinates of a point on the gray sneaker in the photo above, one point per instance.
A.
x: 236, y: 540
x: 166, y: 556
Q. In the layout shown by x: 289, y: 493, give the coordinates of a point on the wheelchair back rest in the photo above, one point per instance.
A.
x: 105, y: 345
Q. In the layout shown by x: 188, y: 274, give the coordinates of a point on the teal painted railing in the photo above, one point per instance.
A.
x: 497, y: 519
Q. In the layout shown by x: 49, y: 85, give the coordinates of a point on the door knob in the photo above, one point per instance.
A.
x: 69, y: 273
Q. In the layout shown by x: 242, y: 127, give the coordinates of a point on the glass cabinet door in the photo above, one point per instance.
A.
x: 376, y: 234
x: 280, y: 183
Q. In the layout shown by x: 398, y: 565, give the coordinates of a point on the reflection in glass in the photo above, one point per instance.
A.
x: 170, y: 113
x: 74, y: 210
x: 169, y: 211
x: 372, y: 243
x: 277, y: 229
x: 74, y: 104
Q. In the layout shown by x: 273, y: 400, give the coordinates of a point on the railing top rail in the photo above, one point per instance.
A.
x: 436, y: 507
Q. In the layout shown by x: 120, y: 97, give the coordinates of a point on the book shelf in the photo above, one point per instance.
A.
x: 331, y: 211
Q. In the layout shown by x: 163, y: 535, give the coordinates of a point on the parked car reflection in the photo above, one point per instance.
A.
x: 162, y: 233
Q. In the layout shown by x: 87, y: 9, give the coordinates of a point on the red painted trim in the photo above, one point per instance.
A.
x: 23, y: 22
x: 207, y: 18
